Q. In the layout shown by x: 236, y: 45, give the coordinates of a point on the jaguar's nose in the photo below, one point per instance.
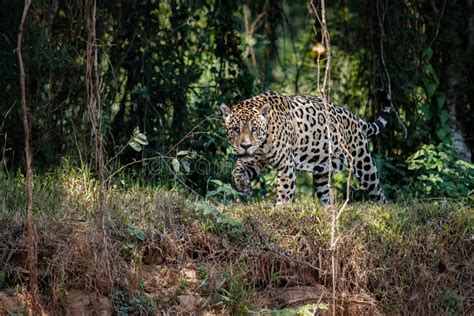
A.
x: 245, y: 146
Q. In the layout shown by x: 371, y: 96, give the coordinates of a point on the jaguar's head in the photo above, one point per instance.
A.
x: 246, y: 127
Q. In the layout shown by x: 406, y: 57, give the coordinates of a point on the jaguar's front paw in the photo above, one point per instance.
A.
x: 246, y: 193
x: 243, y: 185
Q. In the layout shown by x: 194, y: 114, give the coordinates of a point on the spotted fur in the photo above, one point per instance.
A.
x: 289, y: 133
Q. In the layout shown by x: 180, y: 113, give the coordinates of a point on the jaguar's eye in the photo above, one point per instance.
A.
x: 235, y: 130
x: 254, y: 129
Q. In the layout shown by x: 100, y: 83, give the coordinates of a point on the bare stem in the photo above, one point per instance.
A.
x: 26, y: 118
x: 95, y: 114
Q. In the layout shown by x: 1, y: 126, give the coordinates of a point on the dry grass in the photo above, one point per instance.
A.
x: 174, y: 254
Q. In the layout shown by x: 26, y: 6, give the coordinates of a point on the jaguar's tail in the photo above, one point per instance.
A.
x: 375, y: 127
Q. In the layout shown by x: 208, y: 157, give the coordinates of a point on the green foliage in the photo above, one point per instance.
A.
x: 133, y: 236
x: 136, y: 232
x: 437, y: 172
x: 453, y: 304
x: 216, y: 220
x: 224, y: 192
x: 138, y: 140
x: 2, y: 277
x: 138, y: 304
x: 183, y: 284
x: 203, y: 275
x: 235, y: 294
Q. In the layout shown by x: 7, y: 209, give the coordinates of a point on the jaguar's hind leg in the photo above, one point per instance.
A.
x: 366, y: 172
x: 286, y: 183
x: 321, y: 187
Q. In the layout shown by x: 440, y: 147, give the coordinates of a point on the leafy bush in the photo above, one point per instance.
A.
x: 438, y: 173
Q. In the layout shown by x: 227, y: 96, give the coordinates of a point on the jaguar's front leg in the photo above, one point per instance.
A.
x: 244, y: 171
x: 286, y: 183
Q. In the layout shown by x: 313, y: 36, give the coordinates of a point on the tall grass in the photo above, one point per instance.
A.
x: 411, y: 257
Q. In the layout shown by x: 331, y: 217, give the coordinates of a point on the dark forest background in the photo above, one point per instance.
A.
x: 129, y: 198
x: 165, y: 67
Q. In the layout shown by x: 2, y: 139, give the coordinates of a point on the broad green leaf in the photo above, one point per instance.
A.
x: 440, y: 99
x: 430, y: 89
x: 425, y: 108
x: 136, y: 146
x: 433, y: 73
x: 141, y: 139
x: 175, y: 164
x: 217, y: 182
x: 186, y: 165
x: 182, y: 153
x: 138, y: 233
x: 443, y: 117
x: 441, y: 133
x: 211, y: 193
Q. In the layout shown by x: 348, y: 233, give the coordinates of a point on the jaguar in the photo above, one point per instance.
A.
x: 290, y: 133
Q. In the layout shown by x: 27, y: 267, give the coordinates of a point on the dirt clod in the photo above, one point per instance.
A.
x: 189, y: 303
x: 80, y: 303
x: 9, y: 304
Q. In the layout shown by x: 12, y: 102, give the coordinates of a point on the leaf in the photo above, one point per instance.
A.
x: 217, y: 182
x: 211, y: 193
x: 440, y: 99
x: 425, y: 108
x: 175, y: 164
x: 182, y: 153
x: 138, y: 233
x: 205, y: 208
x: 186, y: 165
x: 136, y: 146
x: 441, y: 133
x: 443, y: 117
x: 433, y: 73
x: 430, y: 89
x: 140, y: 138
x: 429, y: 53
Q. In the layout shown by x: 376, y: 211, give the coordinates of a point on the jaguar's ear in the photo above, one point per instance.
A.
x: 264, y: 110
x: 225, y: 111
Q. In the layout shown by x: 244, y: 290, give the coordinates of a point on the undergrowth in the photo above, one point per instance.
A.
x: 172, y: 252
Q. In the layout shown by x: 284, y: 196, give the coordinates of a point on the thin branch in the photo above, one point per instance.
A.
x: 325, y: 92
x: 438, y: 23
x: 26, y: 118
x: 93, y: 84
x: 250, y: 30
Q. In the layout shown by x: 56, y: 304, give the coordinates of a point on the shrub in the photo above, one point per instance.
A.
x: 437, y: 172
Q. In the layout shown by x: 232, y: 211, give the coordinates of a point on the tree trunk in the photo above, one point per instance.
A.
x: 459, y: 143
